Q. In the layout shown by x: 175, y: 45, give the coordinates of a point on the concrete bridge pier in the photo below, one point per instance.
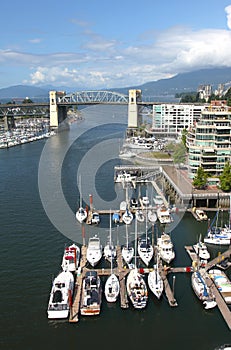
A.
x: 57, y: 113
x: 9, y: 123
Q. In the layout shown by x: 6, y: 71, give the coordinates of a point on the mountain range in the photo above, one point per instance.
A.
x: 183, y: 82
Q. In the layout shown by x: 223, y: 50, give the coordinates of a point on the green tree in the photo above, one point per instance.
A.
x: 179, y: 154
x: 183, y: 136
x: 200, y: 179
x: 225, y: 178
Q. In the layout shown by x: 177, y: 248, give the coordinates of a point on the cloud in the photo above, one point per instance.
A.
x: 228, y: 11
x: 35, y: 41
x: 100, y: 62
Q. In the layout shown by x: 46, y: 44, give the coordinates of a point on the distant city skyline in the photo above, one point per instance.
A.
x: 98, y: 44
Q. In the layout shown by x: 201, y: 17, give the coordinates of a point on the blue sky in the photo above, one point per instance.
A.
x: 104, y: 44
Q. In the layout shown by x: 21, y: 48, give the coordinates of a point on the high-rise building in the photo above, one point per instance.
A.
x: 209, y: 140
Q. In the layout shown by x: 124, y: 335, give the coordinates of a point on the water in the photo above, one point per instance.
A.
x: 32, y: 247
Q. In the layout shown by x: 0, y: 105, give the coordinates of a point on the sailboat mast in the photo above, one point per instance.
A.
x: 135, y: 243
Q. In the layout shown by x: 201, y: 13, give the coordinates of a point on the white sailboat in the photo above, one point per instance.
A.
x: 139, y: 215
x: 112, y: 288
x: 94, y: 250
x: 110, y: 248
x: 136, y: 286
x: 81, y: 213
x: 201, y: 250
x: 127, y: 217
x: 145, y: 248
x: 152, y: 216
x: 127, y: 250
x: 155, y: 281
x: 202, y: 291
x: 219, y: 235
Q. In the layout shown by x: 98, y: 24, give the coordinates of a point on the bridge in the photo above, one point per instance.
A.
x: 59, y: 102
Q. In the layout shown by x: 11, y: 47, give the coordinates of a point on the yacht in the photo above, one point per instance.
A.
x: 61, y: 295
x: 165, y: 248
x: 201, y: 250
x: 91, y: 294
x: 71, y: 257
x: 94, y: 250
x: 163, y: 214
x: 95, y: 219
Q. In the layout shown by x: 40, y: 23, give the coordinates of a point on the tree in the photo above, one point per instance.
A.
x: 225, y: 178
x: 183, y: 136
x: 200, y: 179
x: 179, y: 154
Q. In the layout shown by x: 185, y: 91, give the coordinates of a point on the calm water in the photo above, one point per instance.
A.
x: 33, y: 237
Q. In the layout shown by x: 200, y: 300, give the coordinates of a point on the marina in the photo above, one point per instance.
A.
x: 31, y: 232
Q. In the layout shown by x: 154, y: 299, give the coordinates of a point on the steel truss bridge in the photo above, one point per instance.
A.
x: 93, y: 97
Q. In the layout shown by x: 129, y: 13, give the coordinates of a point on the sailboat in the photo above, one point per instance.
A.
x: 145, y: 248
x: 127, y: 250
x: 127, y: 217
x: 219, y: 235
x: 202, y: 291
x: 110, y: 249
x: 201, y: 249
x: 155, y: 281
x: 136, y: 286
x: 81, y: 213
x: 112, y: 285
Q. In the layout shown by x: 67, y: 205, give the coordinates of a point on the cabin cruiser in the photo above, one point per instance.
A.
x: 91, y: 294
x: 163, y: 214
x: 71, y: 257
x: 61, y: 295
x: 94, y: 250
x: 165, y: 247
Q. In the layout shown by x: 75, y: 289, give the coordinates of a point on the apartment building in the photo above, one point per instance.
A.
x: 209, y: 140
x: 171, y: 119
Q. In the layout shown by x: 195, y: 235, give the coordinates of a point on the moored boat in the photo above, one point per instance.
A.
x: 202, y: 291
x: 201, y: 250
x: 112, y: 288
x: 222, y: 283
x: 61, y: 296
x: 165, y: 247
x: 91, y: 297
x: 71, y: 257
x: 94, y: 250
x: 127, y: 217
x: 145, y: 250
x: 164, y: 215
x: 137, y: 289
x: 155, y: 282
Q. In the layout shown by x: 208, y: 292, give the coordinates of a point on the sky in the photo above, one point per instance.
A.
x: 98, y: 44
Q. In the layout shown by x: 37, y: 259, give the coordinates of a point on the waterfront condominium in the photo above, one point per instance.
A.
x: 172, y: 118
x: 209, y: 140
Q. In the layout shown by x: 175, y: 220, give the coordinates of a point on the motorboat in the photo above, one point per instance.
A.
x: 91, y: 298
x: 139, y: 215
x: 145, y: 201
x: 163, y: 214
x: 61, y: 295
x: 165, y: 247
x: 134, y: 203
x: 201, y: 290
x: 145, y: 250
x: 116, y: 218
x: 200, y: 214
x: 201, y: 250
x: 126, y: 154
x: 127, y: 217
x: 124, y: 176
x: 222, y: 283
x: 137, y: 289
x: 94, y: 250
x: 155, y: 282
x: 158, y: 200
x: 71, y: 257
x: 95, y: 218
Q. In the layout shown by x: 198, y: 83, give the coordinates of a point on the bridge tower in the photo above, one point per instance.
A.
x: 133, y: 109
x: 57, y: 113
